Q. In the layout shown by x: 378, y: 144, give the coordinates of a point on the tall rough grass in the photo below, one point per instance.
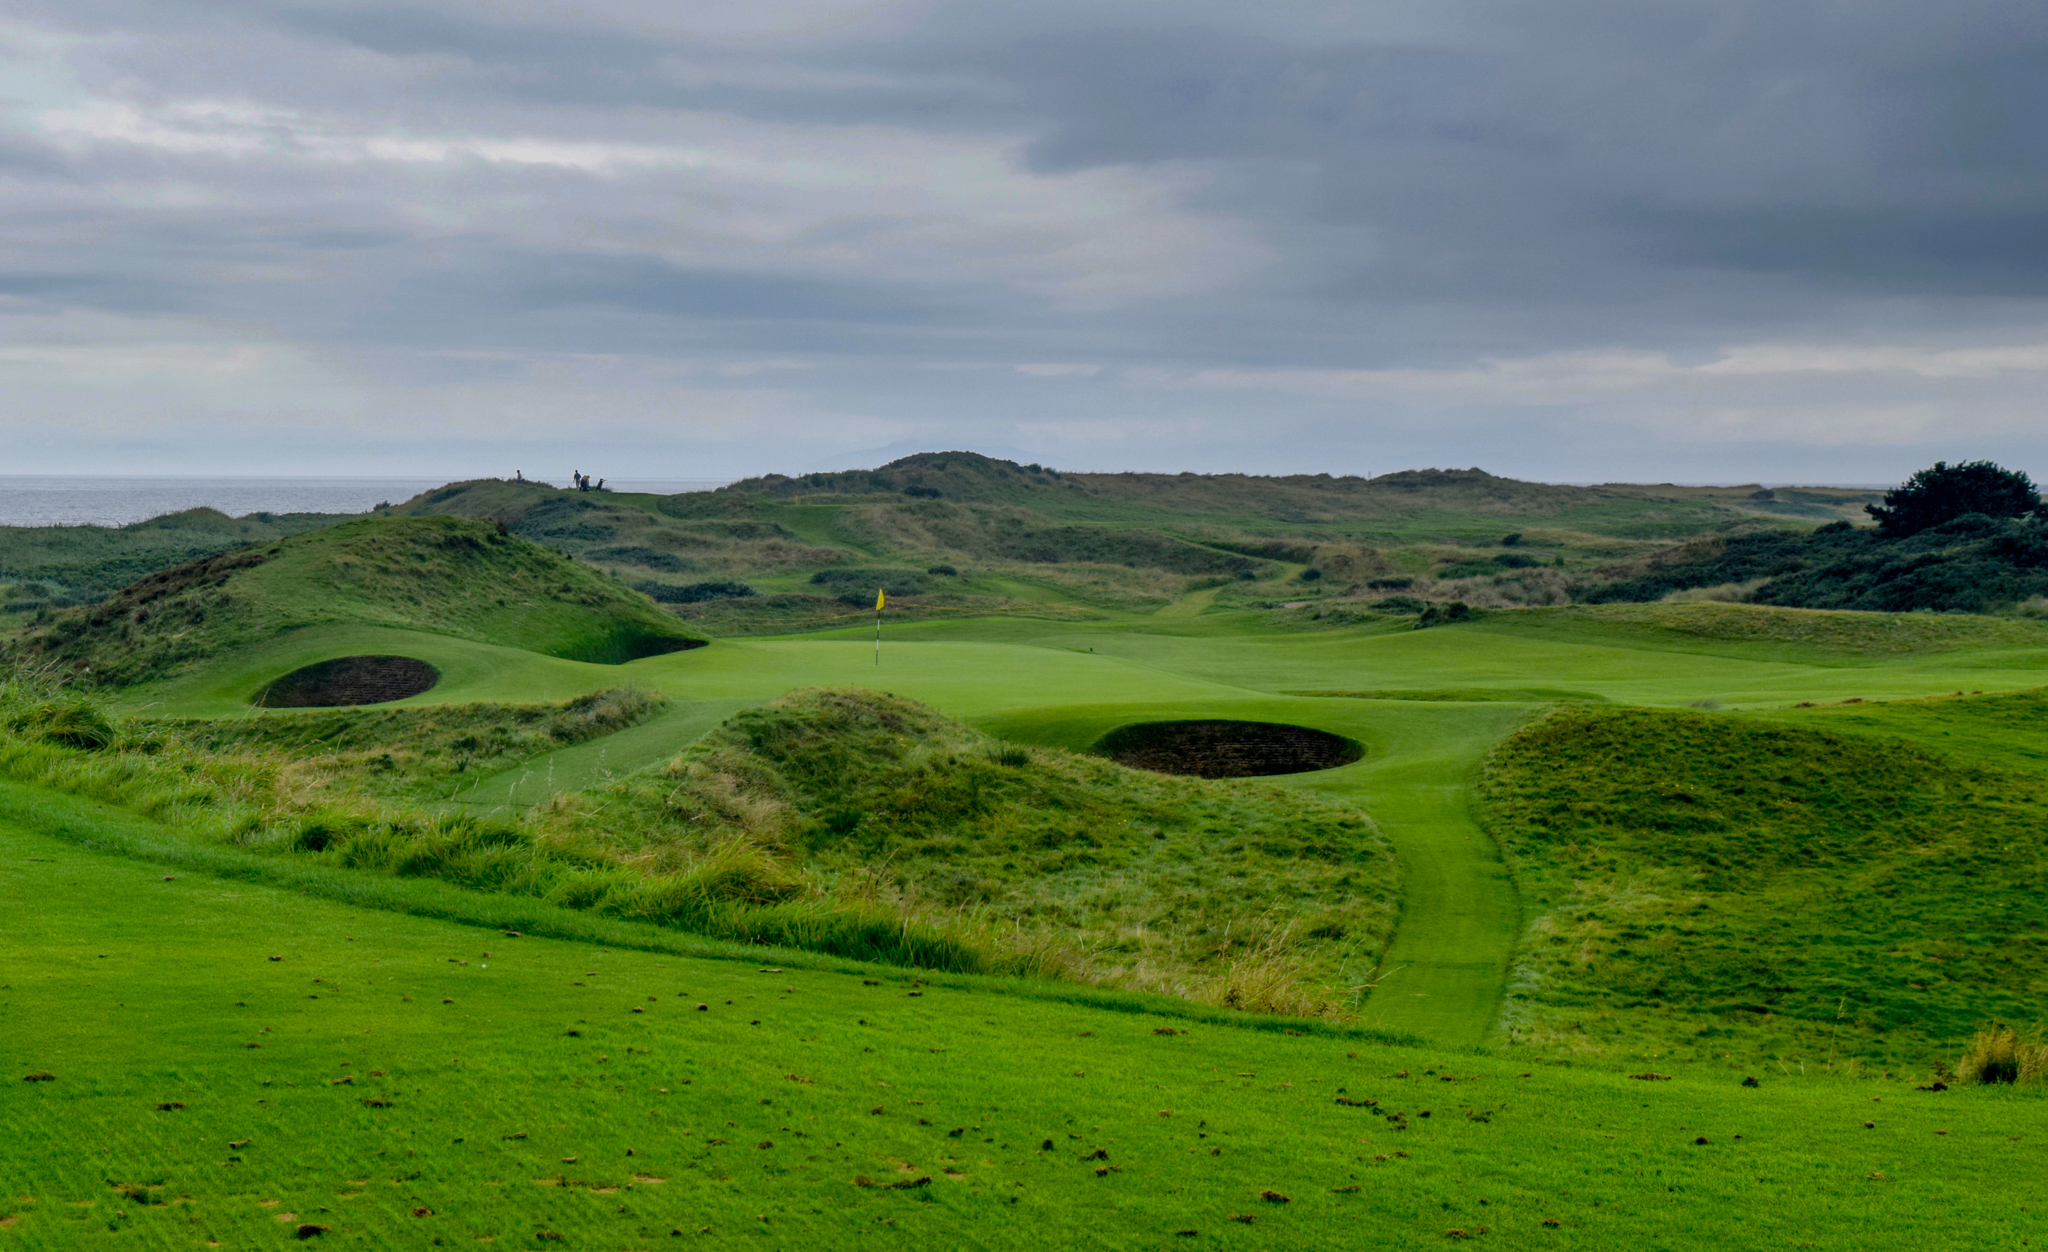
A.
x: 1999, y: 1053
x: 840, y: 822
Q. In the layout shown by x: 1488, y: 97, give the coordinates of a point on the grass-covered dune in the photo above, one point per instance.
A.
x: 1699, y: 885
x: 453, y: 576
x: 842, y: 821
x: 54, y: 566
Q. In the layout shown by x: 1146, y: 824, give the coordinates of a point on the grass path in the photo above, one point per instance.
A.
x: 1460, y: 915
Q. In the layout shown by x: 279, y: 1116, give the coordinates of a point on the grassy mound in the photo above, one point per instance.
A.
x: 448, y: 575
x: 1237, y: 894
x: 845, y: 822
x: 1713, y: 885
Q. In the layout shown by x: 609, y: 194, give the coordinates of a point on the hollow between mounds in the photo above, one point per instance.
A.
x: 1227, y: 749
x: 349, y: 680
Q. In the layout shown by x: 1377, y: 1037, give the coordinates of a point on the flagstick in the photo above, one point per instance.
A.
x: 878, y: 633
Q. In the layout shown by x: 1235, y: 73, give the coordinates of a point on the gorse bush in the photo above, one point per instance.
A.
x: 1447, y: 614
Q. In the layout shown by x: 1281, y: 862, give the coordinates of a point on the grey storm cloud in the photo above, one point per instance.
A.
x: 1569, y: 240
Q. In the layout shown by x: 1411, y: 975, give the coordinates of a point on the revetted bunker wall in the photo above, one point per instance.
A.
x: 1227, y: 749
x: 350, y: 680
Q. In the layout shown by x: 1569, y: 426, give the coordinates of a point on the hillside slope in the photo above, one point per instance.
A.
x: 953, y: 534
x: 1710, y: 883
x: 1970, y: 564
x: 447, y: 575
x: 1457, y: 497
x: 65, y: 565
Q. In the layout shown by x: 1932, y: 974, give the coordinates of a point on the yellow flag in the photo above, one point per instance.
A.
x: 880, y: 598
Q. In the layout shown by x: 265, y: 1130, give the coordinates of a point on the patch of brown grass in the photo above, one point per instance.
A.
x: 1998, y: 1053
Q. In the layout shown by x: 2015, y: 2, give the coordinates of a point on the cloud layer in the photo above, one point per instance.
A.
x: 1576, y: 240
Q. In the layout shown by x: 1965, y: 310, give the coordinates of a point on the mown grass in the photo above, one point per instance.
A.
x: 410, y: 1090
x: 1719, y: 886
x: 839, y: 822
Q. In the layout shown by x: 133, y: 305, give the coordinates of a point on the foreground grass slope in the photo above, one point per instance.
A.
x: 1702, y: 885
x: 447, y: 575
x: 421, y: 1083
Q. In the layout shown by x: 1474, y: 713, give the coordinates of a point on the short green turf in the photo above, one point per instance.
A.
x: 410, y: 1090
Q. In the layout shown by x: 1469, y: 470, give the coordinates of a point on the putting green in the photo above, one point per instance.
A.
x: 1066, y: 684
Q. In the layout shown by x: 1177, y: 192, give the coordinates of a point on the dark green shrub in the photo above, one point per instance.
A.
x: 694, y: 593
x: 855, y: 584
x: 1468, y: 569
x: 1446, y: 614
x: 1945, y: 492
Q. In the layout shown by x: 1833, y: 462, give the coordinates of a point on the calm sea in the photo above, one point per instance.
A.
x: 117, y: 501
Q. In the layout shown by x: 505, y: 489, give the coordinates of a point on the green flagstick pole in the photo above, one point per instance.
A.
x: 878, y: 629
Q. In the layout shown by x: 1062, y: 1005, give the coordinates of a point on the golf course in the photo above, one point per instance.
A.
x: 1140, y: 872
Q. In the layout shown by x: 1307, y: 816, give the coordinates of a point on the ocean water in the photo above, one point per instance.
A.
x: 117, y: 501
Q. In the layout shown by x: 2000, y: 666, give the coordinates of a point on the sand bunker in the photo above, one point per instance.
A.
x: 1224, y: 749
x: 350, y: 680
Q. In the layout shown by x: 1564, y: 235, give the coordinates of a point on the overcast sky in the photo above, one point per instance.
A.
x: 1572, y: 240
